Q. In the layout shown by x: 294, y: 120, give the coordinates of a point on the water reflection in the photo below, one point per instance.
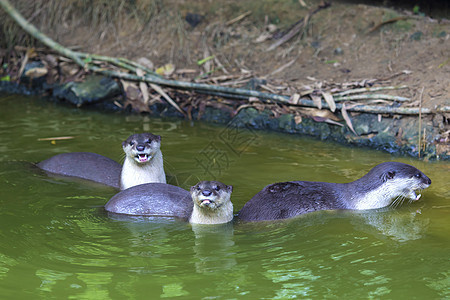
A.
x: 213, y: 247
x: 57, y: 242
x: 401, y: 225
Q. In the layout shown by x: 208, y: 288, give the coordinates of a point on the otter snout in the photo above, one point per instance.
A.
x: 212, y: 204
x: 425, y: 180
x: 211, y: 194
x: 142, y: 147
x: 206, y: 193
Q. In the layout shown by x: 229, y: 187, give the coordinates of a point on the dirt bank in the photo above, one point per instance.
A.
x: 340, y: 46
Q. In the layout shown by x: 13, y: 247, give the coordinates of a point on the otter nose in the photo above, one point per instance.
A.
x: 429, y: 181
x: 140, y: 147
x: 206, y: 193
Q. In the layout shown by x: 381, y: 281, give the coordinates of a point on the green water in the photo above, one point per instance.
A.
x: 57, y: 243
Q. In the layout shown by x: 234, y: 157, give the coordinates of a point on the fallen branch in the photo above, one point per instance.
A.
x: 198, y: 87
x: 297, y: 27
x: 10, y: 10
x: 371, y: 96
x: 238, y: 18
x: 393, y: 20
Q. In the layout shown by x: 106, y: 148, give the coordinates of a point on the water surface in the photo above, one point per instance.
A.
x: 57, y: 242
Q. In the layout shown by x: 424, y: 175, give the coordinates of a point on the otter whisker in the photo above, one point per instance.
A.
x: 387, y: 184
x: 397, y: 201
x: 122, y: 157
x: 143, y: 160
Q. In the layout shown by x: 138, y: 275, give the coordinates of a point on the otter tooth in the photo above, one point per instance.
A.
x: 142, y: 165
x: 384, y: 184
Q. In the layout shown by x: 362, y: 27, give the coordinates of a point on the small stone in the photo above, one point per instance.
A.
x: 338, y: 51
x: 193, y: 19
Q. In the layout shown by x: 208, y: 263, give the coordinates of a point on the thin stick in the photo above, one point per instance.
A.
x: 238, y: 18
x: 57, y: 138
x: 160, y: 91
x: 10, y: 10
x: 387, y: 22
x: 420, y: 119
x: 372, y: 96
x: 232, y: 92
x: 297, y: 27
x: 370, y: 89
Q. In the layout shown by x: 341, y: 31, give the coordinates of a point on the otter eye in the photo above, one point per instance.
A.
x: 217, y: 188
x: 198, y: 188
x: 131, y: 143
x: 149, y: 141
x: 418, y: 175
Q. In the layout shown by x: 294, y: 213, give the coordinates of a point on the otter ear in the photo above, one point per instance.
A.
x: 229, y: 188
x: 158, y: 138
x: 388, y: 175
x: 192, y: 188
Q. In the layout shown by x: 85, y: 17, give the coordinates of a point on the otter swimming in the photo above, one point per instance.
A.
x: 207, y: 203
x: 383, y: 185
x: 143, y: 160
x: 143, y: 164
x: 212, y: 204
x: 85, y: 165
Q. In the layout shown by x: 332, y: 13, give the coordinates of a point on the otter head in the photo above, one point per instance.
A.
x: 396, y: 181
x: 211, y: 195
x: 388, y: 183
x: 141, y: 147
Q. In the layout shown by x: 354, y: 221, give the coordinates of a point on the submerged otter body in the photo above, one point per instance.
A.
x: 152, y: 199
x: 85, y: 165
x: 207, y: 203
x: 383, y: 185
x: 143, y: 164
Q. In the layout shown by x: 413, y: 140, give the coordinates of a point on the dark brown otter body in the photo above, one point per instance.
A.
x: 86, y: 165
x: 143, y: 164
x: 152, y: 199
x: 380, y: 187
x: 207, y: 203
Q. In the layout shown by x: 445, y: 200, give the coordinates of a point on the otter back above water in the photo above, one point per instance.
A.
x: 85, y: 165
x: 381, y: 186
x: 152, y: 199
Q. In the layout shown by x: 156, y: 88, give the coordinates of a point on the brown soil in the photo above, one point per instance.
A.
x: 413, y: 51
x: 340, y: 44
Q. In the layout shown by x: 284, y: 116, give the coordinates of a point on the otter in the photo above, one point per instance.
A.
x: 208, y: 202
x: 388, y: 183
x: 85, y: 165
x: 212, y: 203
x: 143, y: 160
x: 143, y: 164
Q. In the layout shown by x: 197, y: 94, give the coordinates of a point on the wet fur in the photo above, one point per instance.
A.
x: 160, y: 199
x: 98, y: 168
x: 134, y: 172
x: 152, y: 199
x: 219, y: 210
x: 85, y: 165
x: 385, y: 184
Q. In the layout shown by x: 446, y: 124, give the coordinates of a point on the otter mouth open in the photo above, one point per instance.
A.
x: 415, y: 195
x: 142, y: 157
x: 206, y: 201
